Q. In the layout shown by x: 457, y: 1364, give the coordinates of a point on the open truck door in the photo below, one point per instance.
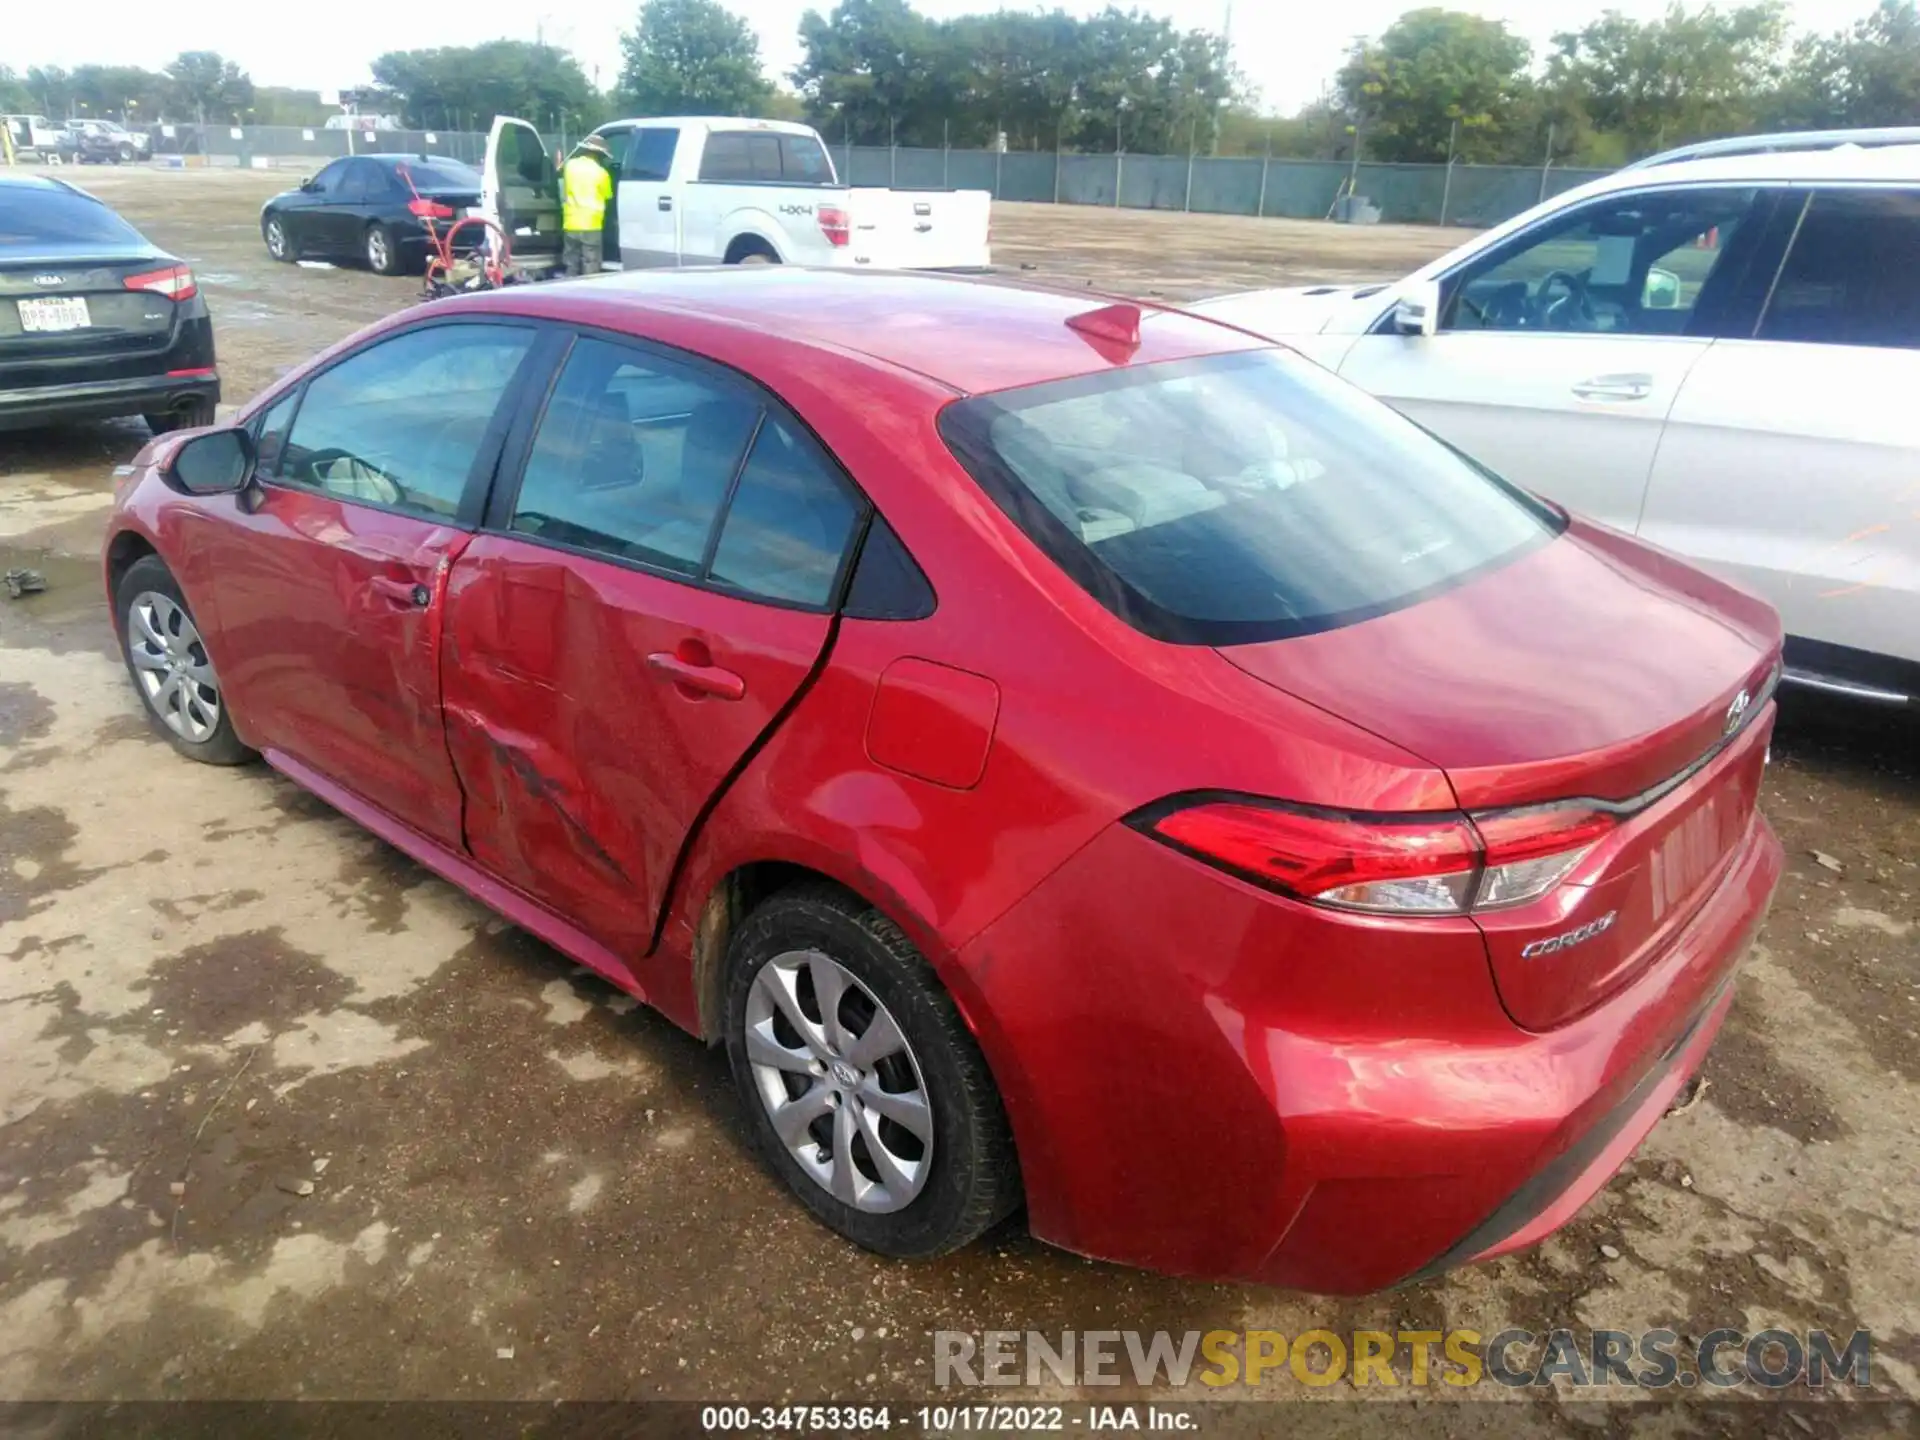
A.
x: 520, y: 189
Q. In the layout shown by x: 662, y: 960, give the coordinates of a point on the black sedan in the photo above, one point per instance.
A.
x: 95, y: 320
x: 371, y: 208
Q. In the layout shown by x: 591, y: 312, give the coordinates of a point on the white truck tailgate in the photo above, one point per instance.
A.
x: 920, y: 229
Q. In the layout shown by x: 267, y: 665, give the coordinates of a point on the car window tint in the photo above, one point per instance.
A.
x: 741, y: 155
x: 270, y: 438
x: 330, y: 176
x: 634, y: 457
x: 1853, y: 274
x: 803, y: 161
x: 400, y: 423
x: 31, y: 215
x: 1635, y: 265
x: 650, y: 155
x: 789, y: 522
x: 1238, y: 498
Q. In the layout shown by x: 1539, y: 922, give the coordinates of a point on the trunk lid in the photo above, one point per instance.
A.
x: 920, y: 229
x: 1592, y: 668
x: 70, y: 301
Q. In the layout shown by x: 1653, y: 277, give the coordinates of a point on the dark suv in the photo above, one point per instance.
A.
x: 95, y: 320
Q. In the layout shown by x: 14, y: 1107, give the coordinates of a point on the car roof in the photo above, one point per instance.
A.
x: 968, y: 334
x: 714, y: 122
x: 39, y: 182
x: 1838, y: 164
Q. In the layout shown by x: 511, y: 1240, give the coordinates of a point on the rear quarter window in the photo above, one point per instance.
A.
x: 1238, y: 498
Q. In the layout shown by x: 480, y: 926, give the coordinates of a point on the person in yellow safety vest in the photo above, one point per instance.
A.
x: 586, y: 186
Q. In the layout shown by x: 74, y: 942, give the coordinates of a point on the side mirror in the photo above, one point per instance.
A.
x: 306, y: 182
x: 1662, y: 290
x: 1417, y: 310
x: 219, y: 462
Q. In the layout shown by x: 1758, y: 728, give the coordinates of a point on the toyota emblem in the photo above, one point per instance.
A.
x: 1736, y: 712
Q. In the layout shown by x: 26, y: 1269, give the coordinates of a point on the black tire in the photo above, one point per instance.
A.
x: 754, y: 252
x: 974, y: 1179
x: 270, y: 227
x: 381, y: 248
x: 149, y: 574
x: 192, y: 414
x: 124, y: 156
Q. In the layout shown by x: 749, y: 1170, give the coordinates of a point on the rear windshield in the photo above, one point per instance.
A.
x: 32, y: 215
x: 1238, y: 498
x: 437, y: 172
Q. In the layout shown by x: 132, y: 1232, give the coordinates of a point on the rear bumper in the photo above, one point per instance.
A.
x: 1208, y: 1079
x: 29, y: 406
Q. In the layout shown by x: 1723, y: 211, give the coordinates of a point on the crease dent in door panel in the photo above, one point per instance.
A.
x: 516, y: 752
x: 436, y: 640
x: 747, y: 757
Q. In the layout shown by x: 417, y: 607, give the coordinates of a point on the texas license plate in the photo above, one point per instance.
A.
x: 62, y: 312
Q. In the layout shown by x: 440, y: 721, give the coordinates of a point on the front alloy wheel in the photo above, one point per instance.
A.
x: 168, y: 662
x: 171, y: 665
x: 277, y: 245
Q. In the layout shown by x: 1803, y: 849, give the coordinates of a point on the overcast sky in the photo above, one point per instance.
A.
x: 1288, y: 47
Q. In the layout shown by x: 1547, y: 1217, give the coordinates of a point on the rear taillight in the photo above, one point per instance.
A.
x: 1389, y: 865
x: 833, y: 224
x: 429, y: 209
x: 175, y: 282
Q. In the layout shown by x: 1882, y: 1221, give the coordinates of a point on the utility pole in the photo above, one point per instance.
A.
x: 1446, y: 190
x: 1546, y: 164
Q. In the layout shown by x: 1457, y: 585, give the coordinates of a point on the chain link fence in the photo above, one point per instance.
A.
x: 1292, y: 189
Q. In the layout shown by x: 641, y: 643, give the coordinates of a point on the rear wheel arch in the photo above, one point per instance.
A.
x: 748, y: 245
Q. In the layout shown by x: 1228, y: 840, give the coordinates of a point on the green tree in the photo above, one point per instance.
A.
x: 1867, y: 74
x: 1433, y: 70
x: 122, y: 91
x: 51, y: 91
x: 279, y: 105
x: 691, y: 57
x: 1685, y: 76
x: 206, y: 86
x: 461, y: 87
x: 869, y: 71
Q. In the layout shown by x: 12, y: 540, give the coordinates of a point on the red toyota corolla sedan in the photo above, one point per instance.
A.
x: 1072, y: 755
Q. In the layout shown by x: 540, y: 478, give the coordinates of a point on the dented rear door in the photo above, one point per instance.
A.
x: 629, y: 627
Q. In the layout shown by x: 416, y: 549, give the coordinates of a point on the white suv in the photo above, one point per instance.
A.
x: 1718, y: 355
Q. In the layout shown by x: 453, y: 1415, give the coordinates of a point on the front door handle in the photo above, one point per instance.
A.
x: 706, y: 679
x: 401, y: 592
x: 666, y: 202
x: 1615, y: 387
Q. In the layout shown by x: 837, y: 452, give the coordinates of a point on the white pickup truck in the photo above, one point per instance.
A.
x: 713, y: 191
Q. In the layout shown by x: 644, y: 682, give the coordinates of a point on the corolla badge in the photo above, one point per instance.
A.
x: 1736, y: 712
x: 49, y: 279
x: 1556, y: 943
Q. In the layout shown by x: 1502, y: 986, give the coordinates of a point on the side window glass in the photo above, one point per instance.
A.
x: 328, y: 180
x: 1853, y: 274
x: 726, y: 158
x: 789, y: 523
x: 270, y: 439
x: 401, y: 423
x: 763, y: 156
x: 650, y: 155
x: 634, y: 457
x: 1638, y: 265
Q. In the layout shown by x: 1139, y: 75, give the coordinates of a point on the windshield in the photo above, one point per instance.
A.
x: 1238, y: 498
x: 36, y: 215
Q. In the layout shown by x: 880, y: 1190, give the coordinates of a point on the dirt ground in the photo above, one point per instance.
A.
x: 216, y: 993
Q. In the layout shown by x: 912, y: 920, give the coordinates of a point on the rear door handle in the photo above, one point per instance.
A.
x: 666, y: 202
x: 401, y: 592
x: 1615, y: 387
x: 706, y: 679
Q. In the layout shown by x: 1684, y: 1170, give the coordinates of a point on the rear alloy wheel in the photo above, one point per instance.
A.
x: 276, y: 235
x: 863, y: 1086
x: 171, y: 669
x: 383, y: 254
